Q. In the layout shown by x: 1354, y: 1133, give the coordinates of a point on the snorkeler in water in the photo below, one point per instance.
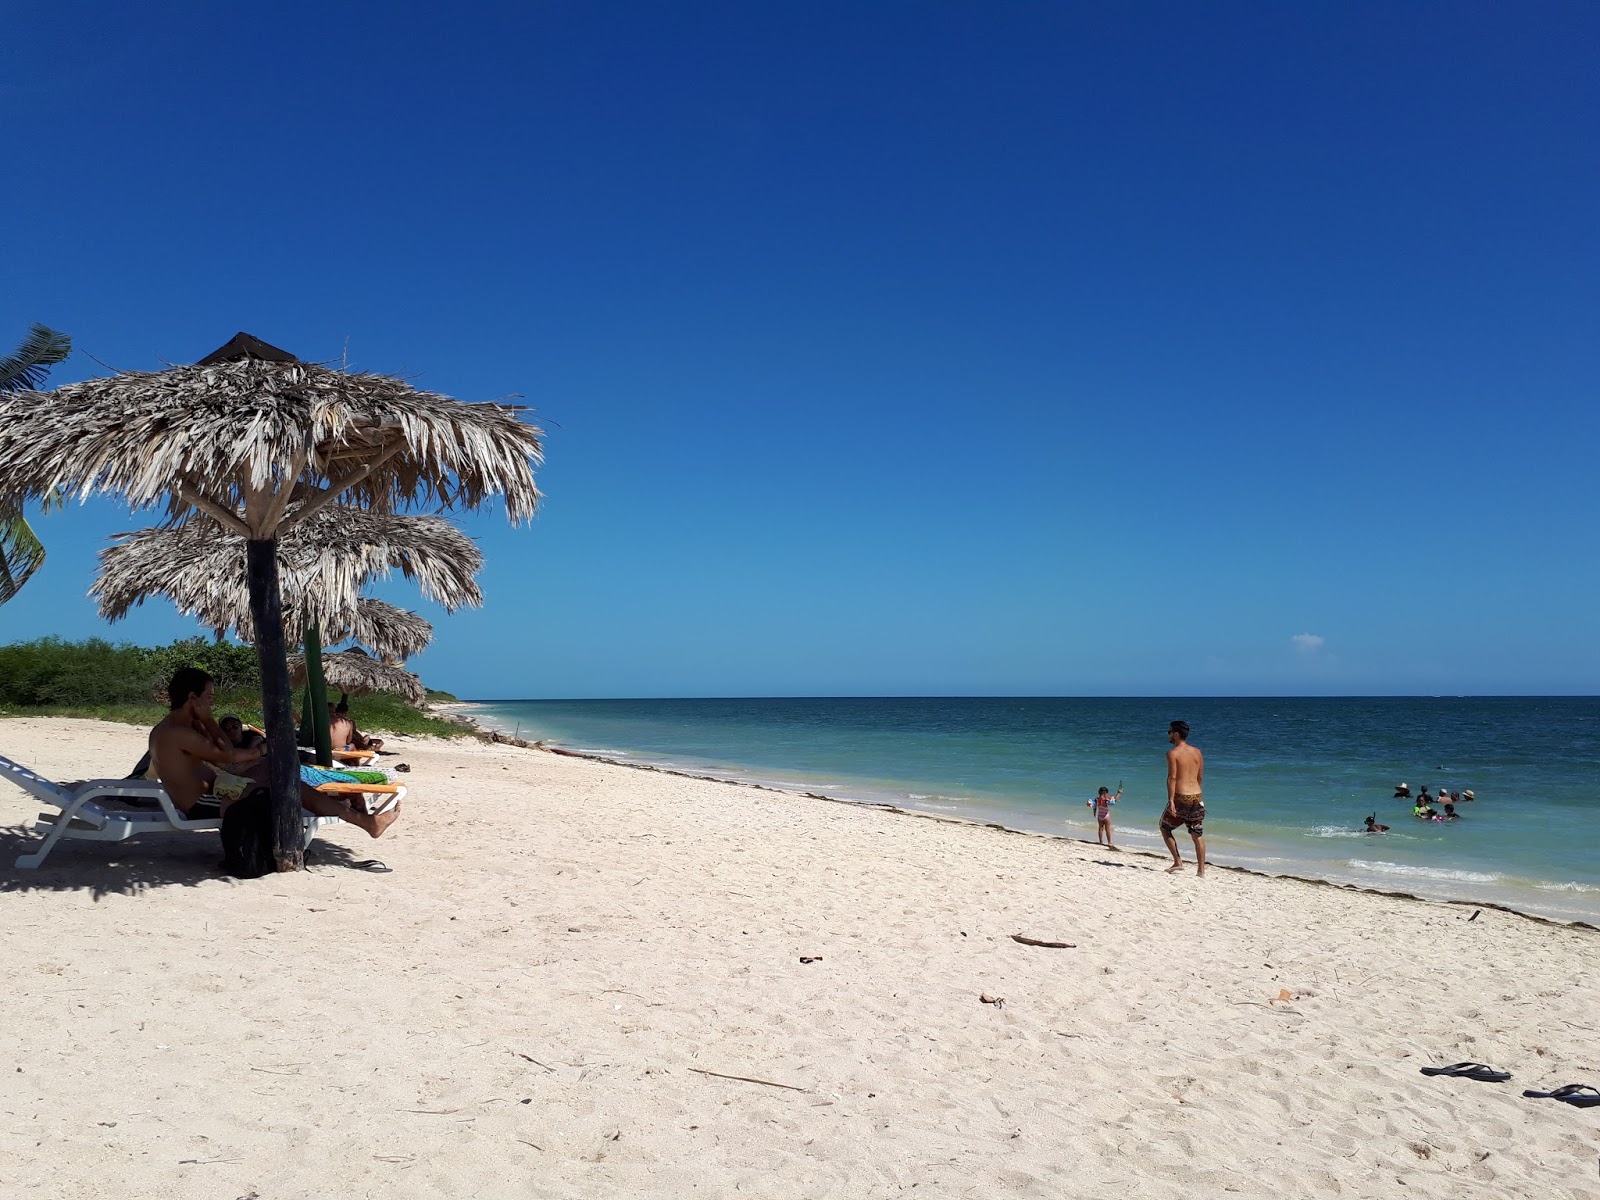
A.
x: 1373, y: 826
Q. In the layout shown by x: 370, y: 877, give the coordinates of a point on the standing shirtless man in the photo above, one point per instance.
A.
x: 1186, y: 767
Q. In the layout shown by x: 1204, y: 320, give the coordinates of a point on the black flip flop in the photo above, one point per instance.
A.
x: 1579, y: 1095
x: 370, y: 864
x: 1470, y: 1070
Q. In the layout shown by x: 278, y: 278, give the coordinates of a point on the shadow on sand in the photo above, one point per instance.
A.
x: 138, y: 864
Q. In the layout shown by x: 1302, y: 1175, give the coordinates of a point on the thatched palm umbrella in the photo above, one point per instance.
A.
x: 393, y: 634
x: 261, y: 442
x: 322, y: 565
x: 358, y: 673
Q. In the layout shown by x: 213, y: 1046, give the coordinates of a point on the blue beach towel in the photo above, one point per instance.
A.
x: 316, y: 776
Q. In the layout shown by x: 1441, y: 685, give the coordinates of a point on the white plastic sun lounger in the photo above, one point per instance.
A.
x: 84, y: 818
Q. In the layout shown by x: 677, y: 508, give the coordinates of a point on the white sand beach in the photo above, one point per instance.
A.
x: 582, y: 979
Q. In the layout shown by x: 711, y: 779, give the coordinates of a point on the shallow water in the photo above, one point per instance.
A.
x: 1288, y: 781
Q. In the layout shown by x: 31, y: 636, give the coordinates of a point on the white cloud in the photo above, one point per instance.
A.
x: 1308, y: 643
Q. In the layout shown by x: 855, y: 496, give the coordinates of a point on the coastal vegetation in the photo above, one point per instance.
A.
x: 123, y: 682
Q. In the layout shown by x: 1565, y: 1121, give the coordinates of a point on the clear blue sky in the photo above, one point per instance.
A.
x: 887, y: 348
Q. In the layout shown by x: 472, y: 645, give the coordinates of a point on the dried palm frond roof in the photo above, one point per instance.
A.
x: 260, y: 441
x: 393, y: 634
x: 353, y: 671
x: 322, y: 566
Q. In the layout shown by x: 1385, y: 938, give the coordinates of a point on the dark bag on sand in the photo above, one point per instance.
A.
x: 247, y: 836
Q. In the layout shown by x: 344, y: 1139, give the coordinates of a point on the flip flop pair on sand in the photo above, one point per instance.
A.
x: 1580, y: 1095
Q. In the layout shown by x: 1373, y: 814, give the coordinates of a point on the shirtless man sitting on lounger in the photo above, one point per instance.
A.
x: 191, y: 757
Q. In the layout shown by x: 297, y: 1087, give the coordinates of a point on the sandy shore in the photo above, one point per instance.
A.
x: 549, y: 993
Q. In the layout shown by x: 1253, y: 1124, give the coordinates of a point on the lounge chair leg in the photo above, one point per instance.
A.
x: 58, y: 828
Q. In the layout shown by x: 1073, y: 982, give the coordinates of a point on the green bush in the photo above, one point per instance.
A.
x: 234, y: 667
x: 94, y: 678
x: 94, y: 672
x: 53, y: 672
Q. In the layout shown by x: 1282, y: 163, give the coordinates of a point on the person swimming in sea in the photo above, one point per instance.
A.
x: 1424, y: 810
x: 1373, y: 826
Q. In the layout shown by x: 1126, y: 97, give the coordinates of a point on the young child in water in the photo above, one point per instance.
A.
x: 1102, y: 814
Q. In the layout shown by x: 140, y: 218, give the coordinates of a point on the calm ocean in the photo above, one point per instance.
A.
x: 1288, y: 781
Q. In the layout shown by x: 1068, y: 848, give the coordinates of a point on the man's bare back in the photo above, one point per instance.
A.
x: 1186, y: 769
x: 345, y: 736
x: 340, y: 730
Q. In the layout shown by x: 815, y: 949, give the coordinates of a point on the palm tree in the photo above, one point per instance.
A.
x: 21, y: 551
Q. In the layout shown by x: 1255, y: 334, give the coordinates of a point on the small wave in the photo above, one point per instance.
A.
x: 1566, y: 887
x: 1335, y: 831
x: 937, y: 802
x: 1389, y: 868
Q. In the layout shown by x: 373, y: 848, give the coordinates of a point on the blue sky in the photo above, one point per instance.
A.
x: 887, y: 348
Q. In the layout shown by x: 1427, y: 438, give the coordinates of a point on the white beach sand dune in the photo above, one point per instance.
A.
x: 547, y: 995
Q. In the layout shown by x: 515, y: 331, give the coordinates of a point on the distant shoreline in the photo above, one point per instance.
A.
x: 548, y: 747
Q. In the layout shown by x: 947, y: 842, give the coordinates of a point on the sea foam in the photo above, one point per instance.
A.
x: 1389, y: 868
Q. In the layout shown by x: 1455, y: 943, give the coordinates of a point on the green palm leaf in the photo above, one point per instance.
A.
x: 21, y: 551
x: 25, y: 370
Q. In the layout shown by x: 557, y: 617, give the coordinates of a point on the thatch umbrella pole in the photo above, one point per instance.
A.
x: 277, y: 705
x: 317, y: 689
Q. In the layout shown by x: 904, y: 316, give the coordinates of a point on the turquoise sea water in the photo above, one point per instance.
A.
x: 1288, y: 781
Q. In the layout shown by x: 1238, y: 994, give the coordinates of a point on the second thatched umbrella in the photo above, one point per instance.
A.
x: 322, y: 565
x: 358, y: 673
x: 260, y: 441
x: 393, y: 634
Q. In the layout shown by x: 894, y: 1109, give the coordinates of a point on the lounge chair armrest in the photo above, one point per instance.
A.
x: 360, y: 789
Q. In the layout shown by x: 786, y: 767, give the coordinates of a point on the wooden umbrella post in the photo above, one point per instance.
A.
x: 317, y: 690
x: 283, y: 757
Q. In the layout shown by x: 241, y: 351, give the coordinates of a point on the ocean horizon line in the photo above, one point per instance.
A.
x: 1051, y: 696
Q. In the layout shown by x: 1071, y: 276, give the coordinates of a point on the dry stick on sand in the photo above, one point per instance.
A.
x: 1028, y: 941
x: 748, y: 1079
